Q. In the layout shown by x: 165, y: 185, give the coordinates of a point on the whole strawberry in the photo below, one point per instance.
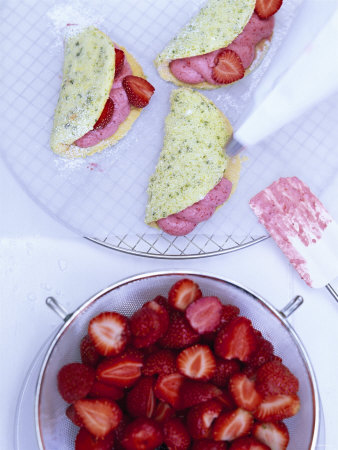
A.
x: 75, y: 381
x: 275, y: 378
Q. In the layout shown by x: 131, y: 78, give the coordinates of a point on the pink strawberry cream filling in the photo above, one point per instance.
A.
x: 186, y: 220
x: 121, y: 112
x: 197, y: 69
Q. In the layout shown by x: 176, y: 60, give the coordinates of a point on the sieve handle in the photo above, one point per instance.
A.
x: 55, y: 306
x: 332, y: 291
x: 291, y: 307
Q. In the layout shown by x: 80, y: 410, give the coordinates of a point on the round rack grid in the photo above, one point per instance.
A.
x: 103, y: 197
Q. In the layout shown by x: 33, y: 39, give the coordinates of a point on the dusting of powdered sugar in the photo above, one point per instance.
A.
x: 73, y: 12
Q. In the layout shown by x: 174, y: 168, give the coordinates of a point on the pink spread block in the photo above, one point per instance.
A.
x: 301, y: 227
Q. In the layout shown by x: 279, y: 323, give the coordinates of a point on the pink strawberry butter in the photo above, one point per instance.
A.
x: 185, y: 221
x: 197, y: 69
x: 121, y: 112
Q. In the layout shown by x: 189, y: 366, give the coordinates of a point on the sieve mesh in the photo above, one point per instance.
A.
x: 56, y: 431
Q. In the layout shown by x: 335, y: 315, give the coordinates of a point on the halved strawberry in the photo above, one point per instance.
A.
x: 275, y: 378
x: 142, y: 434
x: 228, y: 67
x: 123, y: 370
x: 277, y: 407
x: 73, y: 416
x: 89, y: 355
x: 204, y: 314
x: 209, y: 444
x: 103, y: 390
x: 244, y: 393
x: 160, y: 362
x: 197, y: 362
x: 225, y: 368
x: 75, y: 381
x: 168, y: 387
x: 140, y: 401
x: 138, y: 90
x: 179, y: 333
x: 274, y: 435
x: 182, y: 293
x: 248, y: 443
x: 201, y: 417
x: 86, y: 441
x: 98, y: 416
x: 176, y: 435
x: 193, y: 392
x: 231, y: 425
x: 236, y: 340
x: 267, y: 8
x: 119, y: 61
x: 106, y: 115
x: 109, y: 332
x: 163, y: 412
x: 163, y: 302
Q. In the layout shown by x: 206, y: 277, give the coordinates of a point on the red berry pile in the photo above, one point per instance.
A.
x: 187, y: 372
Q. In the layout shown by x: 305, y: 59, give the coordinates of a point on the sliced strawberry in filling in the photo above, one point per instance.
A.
x: 197, y: 69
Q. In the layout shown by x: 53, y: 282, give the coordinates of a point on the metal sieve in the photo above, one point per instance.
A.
x: 55, y: 431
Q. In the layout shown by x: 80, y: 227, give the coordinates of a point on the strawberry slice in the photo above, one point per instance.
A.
x: 122, y: 371
x: 140, y: 401
x: 277, y: 407
x: 194, y: 392
x: 98, y: 416
x: 236, y: 340
x: 119, y: 61
x: 182, y: 293
x: 196, y: 362
x: 201, y: 417
x: 103, y: 390
x: 73, y: 416
x: 75, y: 381
x: 228, y: 67
x: 204, y: 314
x: 163, y: 412
x: 267, y: 8
x: 160, y: 362
x: 224, y: 370
x: 138, y: 90
x: 109, y: 332
x: 179, y: 333
x: 142, y: 434
x: 176, y: 435
x: 209, y: 444
x: 275, y: 378
x: 231, y: 425
x: 244, y: 393
x: 248, y: 443
x: 168, y: 387
x: 274, y: 435
x: 89, y: 355
x: 86, y: 441
x: 106, y: 115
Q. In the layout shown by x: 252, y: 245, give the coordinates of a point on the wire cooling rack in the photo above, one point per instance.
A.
x: 103, y: 197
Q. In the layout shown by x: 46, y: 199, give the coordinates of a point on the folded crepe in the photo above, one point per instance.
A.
x: 193, y: 175
x: 88, y: 77
x: 215, y: 27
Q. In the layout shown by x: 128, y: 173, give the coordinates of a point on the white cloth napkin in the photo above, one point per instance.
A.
x: 313, y: 77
